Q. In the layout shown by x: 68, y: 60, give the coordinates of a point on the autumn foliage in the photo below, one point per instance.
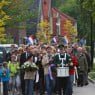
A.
x: 3, y: 18
x: 43, y: 33
x: 71, y: 30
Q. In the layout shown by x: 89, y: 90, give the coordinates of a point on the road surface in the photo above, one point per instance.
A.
x: 85, y: 90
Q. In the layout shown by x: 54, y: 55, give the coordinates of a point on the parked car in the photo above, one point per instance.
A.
x: 2, y: 54
x: 8, y: 47
x: 5, y: 49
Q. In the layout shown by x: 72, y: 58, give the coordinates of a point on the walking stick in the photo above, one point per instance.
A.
x: 75, y: 75
x: 76, y: 72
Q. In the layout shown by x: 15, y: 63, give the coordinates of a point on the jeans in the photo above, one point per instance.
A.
x: 29, y: 87
x: 5, y: 87
x: 49, y: 85
x: 72, y: 80
x: 12, y: 83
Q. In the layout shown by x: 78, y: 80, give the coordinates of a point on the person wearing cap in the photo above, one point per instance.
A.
x: 62, y: 59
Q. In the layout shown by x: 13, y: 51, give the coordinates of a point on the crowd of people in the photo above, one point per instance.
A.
x: 59, y: 68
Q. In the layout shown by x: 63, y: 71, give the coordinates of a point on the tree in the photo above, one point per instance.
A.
x: 78, y: 9
x: 69, y: 7
x: 44, y: 34
x: 70, y: 30
x: 3, y: 18
x: 57, y: 3
x: 89, y: 7
x: 20, y: 11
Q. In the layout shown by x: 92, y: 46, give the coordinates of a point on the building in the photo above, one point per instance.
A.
x: 56, y: 18
x: 45, y: 12
x: 59, y: 19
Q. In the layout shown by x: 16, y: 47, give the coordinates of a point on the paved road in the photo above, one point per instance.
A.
x: 86, y: 90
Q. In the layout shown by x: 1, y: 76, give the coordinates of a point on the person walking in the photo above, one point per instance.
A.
x: 23, y: 58
x: 29, y: 76
x: 13, y: 66
x: 82, y: 67
x: 5, y: 76
x: 46, y: 61
x: 72, y: 70
x: 62, y: 61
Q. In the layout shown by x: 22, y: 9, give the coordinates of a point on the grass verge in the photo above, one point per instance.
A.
x: 92, y: 73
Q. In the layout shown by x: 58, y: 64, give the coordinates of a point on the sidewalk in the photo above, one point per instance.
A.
x: 85, y: 90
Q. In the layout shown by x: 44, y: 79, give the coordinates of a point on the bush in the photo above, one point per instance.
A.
x: 92, y: 73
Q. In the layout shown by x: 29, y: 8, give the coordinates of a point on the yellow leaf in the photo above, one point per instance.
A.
x: 44, y: 34
x: 6, y: 17
x: 2, y: 29
x: 2, y: 12
x: 1, y: 23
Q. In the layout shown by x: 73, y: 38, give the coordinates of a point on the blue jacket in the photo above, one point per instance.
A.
x: 4, y: 74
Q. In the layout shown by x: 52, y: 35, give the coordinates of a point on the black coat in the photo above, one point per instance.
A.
x: 23, y: 58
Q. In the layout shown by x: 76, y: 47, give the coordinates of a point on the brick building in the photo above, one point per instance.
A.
x: 56, y: 18
x: 53, y: 15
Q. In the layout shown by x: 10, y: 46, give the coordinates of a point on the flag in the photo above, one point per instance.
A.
x: 65, y: 41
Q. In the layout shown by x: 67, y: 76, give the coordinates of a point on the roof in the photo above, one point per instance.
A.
x: 65, y: 15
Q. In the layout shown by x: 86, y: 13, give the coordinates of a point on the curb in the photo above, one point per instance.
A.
x: 91, y: 80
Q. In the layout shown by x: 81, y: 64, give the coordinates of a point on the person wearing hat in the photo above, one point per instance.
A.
x: 62, y: 60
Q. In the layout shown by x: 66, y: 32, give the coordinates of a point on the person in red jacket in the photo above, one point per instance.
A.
x: 72, y: 68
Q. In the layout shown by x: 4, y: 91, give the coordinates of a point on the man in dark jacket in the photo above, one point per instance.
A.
x: 23, y: 58
x: 82, y: 67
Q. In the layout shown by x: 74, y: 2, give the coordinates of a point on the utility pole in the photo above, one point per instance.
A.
x: 92, y: 42
x: 91, y: 36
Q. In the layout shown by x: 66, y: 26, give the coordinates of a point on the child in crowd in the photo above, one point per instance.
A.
x: 13, y: 66
x: 4, y: 77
